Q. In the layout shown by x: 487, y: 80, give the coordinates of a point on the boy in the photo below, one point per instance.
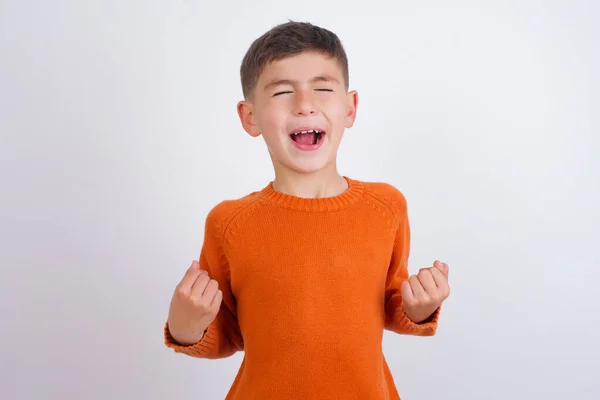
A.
x: 305, y: 274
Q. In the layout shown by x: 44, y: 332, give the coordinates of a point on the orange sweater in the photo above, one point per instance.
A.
x: 308, y: 286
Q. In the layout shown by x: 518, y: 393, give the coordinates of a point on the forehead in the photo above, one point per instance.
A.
x: 302, y: 68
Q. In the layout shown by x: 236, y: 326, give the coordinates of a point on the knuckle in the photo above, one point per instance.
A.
x: 201, y: 306
x: 205, y: 309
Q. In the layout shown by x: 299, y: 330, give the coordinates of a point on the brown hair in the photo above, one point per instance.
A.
x: 285, y: 40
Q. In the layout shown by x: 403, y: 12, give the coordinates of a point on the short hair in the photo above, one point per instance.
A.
x: 286, y: 40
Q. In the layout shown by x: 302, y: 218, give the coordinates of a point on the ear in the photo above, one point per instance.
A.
x: 246, y: 113
x: 352, y: 105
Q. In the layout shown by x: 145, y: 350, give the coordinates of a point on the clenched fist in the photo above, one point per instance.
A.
x: 423, y: 293
x: 194, y: 305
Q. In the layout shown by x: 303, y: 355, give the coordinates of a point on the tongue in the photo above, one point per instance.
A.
x: 306, y: 138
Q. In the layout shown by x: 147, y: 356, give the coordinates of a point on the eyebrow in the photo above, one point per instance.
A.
x: 320, y: 78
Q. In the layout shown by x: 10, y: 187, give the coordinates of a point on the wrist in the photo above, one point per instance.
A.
x: 185, y: 338
x: 422, y: 316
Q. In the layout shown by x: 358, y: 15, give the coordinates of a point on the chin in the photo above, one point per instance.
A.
x: 304, y: 162
x: 307, y: 166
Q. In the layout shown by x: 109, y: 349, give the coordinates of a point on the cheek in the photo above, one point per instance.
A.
x: 268, y: 118
x: 334, y: 108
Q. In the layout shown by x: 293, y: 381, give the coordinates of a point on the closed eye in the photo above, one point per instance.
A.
x: 278, y: 93
x: 324, y: 90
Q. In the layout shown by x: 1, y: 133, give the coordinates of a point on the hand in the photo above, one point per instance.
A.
x: 194, y: 305
x: 423, y: 293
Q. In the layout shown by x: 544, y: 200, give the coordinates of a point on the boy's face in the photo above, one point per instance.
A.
x: 301, y: 93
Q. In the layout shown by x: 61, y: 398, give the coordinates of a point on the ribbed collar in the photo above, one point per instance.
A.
x: 353, y: 193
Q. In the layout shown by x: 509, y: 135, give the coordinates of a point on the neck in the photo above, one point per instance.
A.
x: 320, y: 184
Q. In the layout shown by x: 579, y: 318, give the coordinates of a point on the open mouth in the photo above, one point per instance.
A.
x: 308, y: 137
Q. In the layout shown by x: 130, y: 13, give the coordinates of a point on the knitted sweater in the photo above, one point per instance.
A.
x: 309, y: 285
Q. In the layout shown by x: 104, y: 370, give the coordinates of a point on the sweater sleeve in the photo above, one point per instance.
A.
x: 223, y: 337
x: 395, y: 318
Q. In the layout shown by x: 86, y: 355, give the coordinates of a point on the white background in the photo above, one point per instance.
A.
x: 118, y: 133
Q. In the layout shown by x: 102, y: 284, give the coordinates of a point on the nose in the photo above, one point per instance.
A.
x: 304, y: 104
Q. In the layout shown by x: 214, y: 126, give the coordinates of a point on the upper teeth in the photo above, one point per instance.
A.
x: 308, y: 131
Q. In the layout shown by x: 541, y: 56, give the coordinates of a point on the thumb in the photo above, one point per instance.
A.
x: 216, y: 303
x: 443, y: 267
x: 407, y: 293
